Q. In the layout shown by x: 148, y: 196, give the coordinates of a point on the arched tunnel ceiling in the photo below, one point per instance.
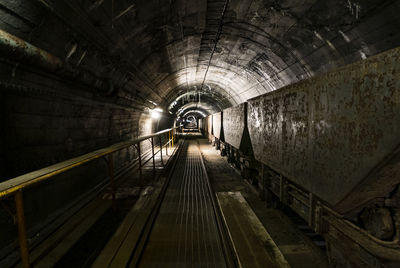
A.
x: 237, y: 48
x: 262, y: 46
x: 204, y: 107
x: 213, y: 95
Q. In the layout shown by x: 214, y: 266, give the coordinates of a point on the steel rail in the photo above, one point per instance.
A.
x: 230, y: 255
x: 151, y: 219
x: 231, y: 259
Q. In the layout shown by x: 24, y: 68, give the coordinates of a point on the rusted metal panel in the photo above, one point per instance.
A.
x: 210, y: 124
x: 18, y: 48
x: 234, y: 124
x: 205, y: 124
x: 382, y: 180
x: 217, y: 124
x: 327, y: 133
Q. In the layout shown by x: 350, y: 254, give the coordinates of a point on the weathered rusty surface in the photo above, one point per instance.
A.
x: 205, y: 124
x: 234, y: 124
x: 378, y: 222
x: 382, y: 180
x: 327, y: 133
x: 217, y: 124
x: 201, y: 124
x: 19, y: 49
x: 210, y: 124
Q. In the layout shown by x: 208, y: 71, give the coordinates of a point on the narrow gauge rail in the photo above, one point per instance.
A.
x: 185, y: 226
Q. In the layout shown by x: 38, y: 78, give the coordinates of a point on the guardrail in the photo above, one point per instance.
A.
x: 16, y: 186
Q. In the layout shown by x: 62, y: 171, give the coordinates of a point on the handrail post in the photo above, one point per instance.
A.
x: 111, y: 173
x: 169, y: 138
x: 154, y: 159
x: 140, y: 159
x: 166, y: 148
x: 172, y: 138
x: 159, y: 136
x: 22, y: 236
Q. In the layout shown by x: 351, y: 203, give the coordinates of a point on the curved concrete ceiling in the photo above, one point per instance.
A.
x: 195, y: 113
x: 204, y: 107
x: 213, y: 95
x: 238, y: 48
x: 247, y: 48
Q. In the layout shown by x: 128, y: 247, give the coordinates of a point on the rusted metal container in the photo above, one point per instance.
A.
x: 210, y: 124
x: 205, y: 124
x: 234, y: 124
x: 327, y: 134
x: 201, y: 126
x: 217, y: 125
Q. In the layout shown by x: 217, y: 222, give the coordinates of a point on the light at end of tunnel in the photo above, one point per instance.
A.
x: 156, y: 113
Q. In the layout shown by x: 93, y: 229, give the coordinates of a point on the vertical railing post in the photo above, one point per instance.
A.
x: 159, y: 136
x: 154, y: 158
x: 169, y: 138
x: 172, y: 138
x: 111, y: 174
x: 166, y: 148
x: 22, y: 236
x: 140, y: 160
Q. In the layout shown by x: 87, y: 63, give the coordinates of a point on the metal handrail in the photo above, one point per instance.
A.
x: 16, y: 185
x: 10, y: 186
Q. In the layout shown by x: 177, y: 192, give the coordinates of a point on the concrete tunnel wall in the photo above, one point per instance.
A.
x: 110, y: 72
x: 39, y: 132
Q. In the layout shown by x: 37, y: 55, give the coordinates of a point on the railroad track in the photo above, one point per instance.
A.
x: 184, y: 227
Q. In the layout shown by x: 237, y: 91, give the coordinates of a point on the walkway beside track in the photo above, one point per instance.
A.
x: 181, y: 222
x: 186, y: 229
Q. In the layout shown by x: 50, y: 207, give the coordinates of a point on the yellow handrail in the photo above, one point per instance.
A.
x: 16, y: 185
x: 12, y: 185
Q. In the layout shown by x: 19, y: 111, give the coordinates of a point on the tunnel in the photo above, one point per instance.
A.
x: 208, y: 133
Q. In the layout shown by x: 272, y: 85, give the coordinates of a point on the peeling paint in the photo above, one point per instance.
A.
x: 331, y: 45
x: 354, y: 8
x: 234, y: 124
x: 362, y: 54
x: 318, y: 36
x: 327, y: 133
x: 345, y: 37
x: 217, y: 124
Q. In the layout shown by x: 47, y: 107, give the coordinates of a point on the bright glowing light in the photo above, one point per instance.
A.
x: 156, y: 113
